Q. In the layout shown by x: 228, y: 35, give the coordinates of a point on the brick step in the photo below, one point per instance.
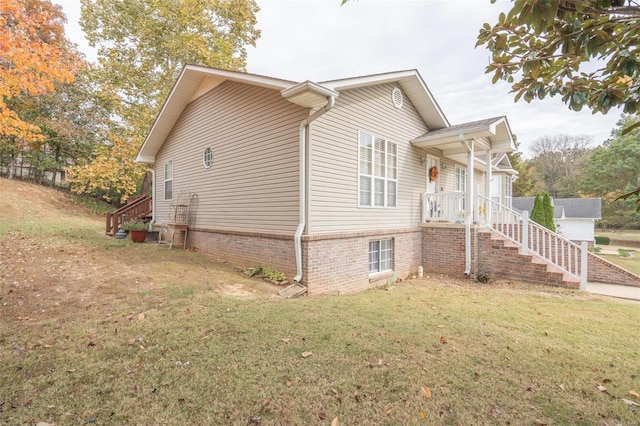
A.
x: 509, y: 262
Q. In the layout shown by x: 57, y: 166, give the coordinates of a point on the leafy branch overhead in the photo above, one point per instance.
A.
x: 540, y: 47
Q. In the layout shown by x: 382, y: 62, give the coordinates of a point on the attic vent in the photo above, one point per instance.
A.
x: 396, y: 97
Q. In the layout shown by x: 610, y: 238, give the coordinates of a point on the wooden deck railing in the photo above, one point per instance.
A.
x: 136, y: 208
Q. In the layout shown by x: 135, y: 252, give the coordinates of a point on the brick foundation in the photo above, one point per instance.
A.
x: 247, y: 249
x: 443, y: 248
x: 339, y: 263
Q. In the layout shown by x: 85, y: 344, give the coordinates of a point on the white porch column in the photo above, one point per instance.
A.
x: 469, y: 205
x: 584, y: 269
x: 487, y: 189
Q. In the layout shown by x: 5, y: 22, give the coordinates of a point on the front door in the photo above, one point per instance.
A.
x: 433, y: 184
x: 432, y: 210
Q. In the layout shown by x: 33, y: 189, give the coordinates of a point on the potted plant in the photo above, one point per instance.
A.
x: 137, y: 229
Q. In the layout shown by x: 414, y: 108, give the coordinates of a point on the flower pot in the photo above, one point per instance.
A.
x: 138, y: 236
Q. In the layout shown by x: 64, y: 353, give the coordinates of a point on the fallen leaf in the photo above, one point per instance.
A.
x: 427, y: 392
x: 140, y: 316
x: 131, y: 341
x: 629, y: 402
x: 306, y: 354
x: 423, y: 415
x: 388, y: 410
x: 539, y: 422
x: 286, y: 340
x: 45, y: 424
x: 601, y: 388
x: 443, y: 340
x: 322, y: 415
x: 634, y: 394
x: 91, y: 344
x: 335, y: 422
x: 48, y: 346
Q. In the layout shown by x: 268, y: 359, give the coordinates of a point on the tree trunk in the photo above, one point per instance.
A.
x: 146, y: 183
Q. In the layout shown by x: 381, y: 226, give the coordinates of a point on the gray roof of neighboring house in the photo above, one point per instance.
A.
x: 573, y: 208
x: 584, y: 208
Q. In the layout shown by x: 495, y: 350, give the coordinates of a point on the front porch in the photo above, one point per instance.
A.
x: 453, y: 210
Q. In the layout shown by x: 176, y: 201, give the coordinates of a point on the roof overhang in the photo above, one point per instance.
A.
x: 492, y: 134
x: 308, y: 94
x: 193, y: 82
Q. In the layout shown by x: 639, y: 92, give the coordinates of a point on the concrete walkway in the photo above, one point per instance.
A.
x: 613, y: 290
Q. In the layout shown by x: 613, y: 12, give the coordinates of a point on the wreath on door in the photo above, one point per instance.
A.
x: 433, y: 173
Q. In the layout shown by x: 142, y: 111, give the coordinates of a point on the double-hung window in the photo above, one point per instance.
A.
x: 461, y: 178
x: 508, y: 191
x: 168, y: 180
x: 380, y: 256
x: 377, y: 172
x: 461, y: 184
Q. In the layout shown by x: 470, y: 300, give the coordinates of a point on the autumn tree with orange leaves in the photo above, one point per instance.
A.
x: 34, y: 56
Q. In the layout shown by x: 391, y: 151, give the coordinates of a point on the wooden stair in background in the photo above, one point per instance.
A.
x: 137, y: 208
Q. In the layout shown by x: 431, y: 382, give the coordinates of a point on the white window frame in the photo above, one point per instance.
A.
x: 461, y: 178
x: 168, y: 180
x: 380, y: 256
x: 382, y: 173
x: 508, y: 191
x: 461, y: 185
x: 496, y: 188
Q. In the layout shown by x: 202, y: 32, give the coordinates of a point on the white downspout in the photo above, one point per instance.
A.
x: 487, y: 190
x: 303, y: 184
x: 469, y: 204
x: 153, y: 197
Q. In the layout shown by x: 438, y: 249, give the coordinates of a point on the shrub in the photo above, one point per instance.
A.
x: 623, y: 253
x: 483, y: 276
x: 136, y: 225
x: 603, y: 241
x: 268, y: 273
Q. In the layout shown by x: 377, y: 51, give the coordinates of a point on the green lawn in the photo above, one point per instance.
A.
x: 100, y: 331
x: 629, y: 241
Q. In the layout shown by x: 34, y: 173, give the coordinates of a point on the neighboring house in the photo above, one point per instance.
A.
x: 574, y: 217
x: 342, y: 185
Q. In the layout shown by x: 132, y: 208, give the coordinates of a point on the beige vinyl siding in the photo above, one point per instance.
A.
x: 253, y: 183
x: 333, y: 193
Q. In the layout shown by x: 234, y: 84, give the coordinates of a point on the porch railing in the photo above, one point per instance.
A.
x: 532, y: 238
x: 443, y: 206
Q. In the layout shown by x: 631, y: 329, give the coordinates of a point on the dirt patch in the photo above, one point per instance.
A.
x: 56, y: 262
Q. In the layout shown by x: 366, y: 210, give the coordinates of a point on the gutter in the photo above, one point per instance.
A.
x: 303, y: 183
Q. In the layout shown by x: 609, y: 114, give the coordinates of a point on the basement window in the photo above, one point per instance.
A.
x: 380, y: 256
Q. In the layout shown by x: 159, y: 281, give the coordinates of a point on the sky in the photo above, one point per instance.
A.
x: 321, y: 40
